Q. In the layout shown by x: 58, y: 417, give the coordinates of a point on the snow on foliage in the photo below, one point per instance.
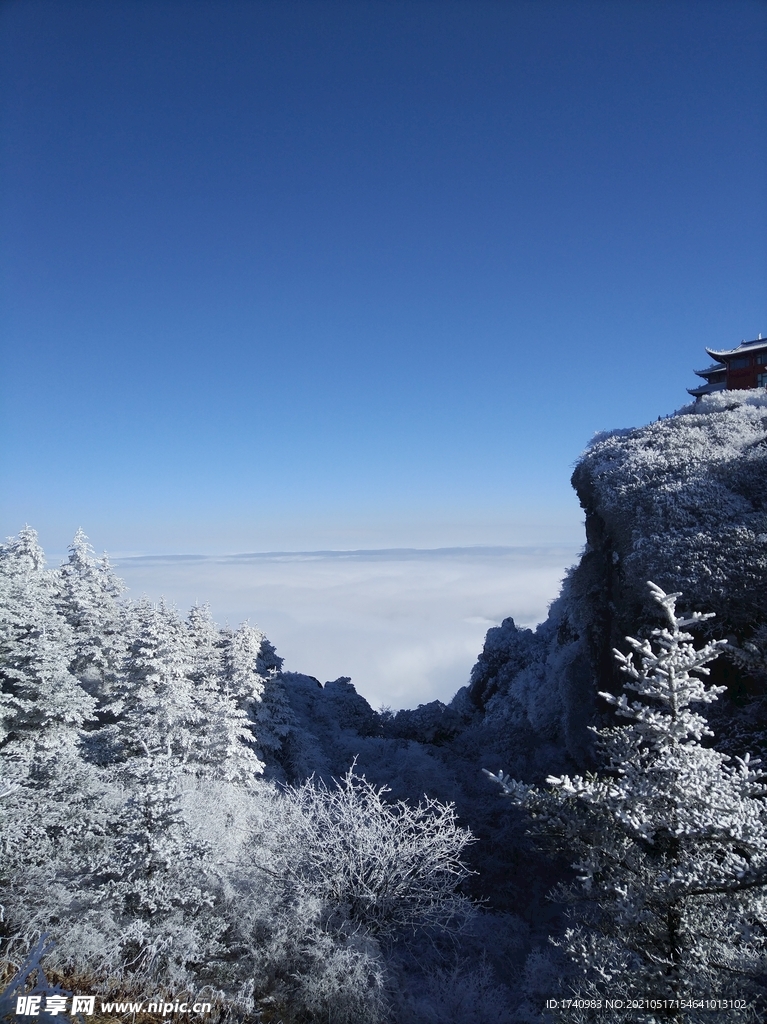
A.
x: 669, y: 838
x: 140, y: 830
x: 684, y: 500
x: 384, y: 866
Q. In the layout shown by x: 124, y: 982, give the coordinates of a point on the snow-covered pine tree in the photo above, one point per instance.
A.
x: 39, y: 694
x: 156, y: 701
x: 53, y: 815
x: 242, y: 683
x: 42, y: 705
x: 149, y: 886
x: 670, y: 840
x: 205, y: 647
x: 89, y: 602
x: 223, y: 666
x: 272, y: 715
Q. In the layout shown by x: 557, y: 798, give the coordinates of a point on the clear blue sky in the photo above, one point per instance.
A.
x: 294, y: 275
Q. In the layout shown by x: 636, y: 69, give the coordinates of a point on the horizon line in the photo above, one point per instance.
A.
x: 488, y: 549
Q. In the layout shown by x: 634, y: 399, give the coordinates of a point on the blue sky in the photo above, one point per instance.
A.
x: 288, y: 275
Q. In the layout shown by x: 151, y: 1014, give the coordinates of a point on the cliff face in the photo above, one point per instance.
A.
x: 682, y: 502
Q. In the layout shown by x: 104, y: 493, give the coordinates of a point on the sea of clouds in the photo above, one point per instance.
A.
x: 406, y: 625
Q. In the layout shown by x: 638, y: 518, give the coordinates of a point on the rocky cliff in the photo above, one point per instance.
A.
x: 682, y: 502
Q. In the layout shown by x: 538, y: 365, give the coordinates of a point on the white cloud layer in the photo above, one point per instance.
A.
x: 406, y: 625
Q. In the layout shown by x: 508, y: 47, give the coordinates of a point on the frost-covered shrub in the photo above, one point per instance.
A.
x: 373, y: 865
x: 331, y: 878
x: 305, y: 972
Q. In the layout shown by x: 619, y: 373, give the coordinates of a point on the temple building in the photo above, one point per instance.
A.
x: 735, y: 368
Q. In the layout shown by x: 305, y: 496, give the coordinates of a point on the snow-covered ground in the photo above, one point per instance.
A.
x: 406, y: 625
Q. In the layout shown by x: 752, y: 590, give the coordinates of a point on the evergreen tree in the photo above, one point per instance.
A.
x: 272, y: 715
x: 156, y: 706
x: 241, y: 650
x: 670, y: 840
x: 42, y: 705
x: 89, y: 602
x: 205, y: 648
x: 242, y: 684
x: 224, y: 682
x: 148, y: 883
x: 54, y: 809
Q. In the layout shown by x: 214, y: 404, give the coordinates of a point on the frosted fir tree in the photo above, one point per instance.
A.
x: 147, y: 887
x: 272, y: 715
x: 155, y: 704
x: 242, y: 681
x: 28, y: 622
x: 89, y: 593
x: 42, y: 705
x: 670, y: 839
x: 23, y: 554
x: 241, y: 650
x: 154, y: 735
x: 222, y: 672
x: 53, y: 813
x: 205, y: 647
